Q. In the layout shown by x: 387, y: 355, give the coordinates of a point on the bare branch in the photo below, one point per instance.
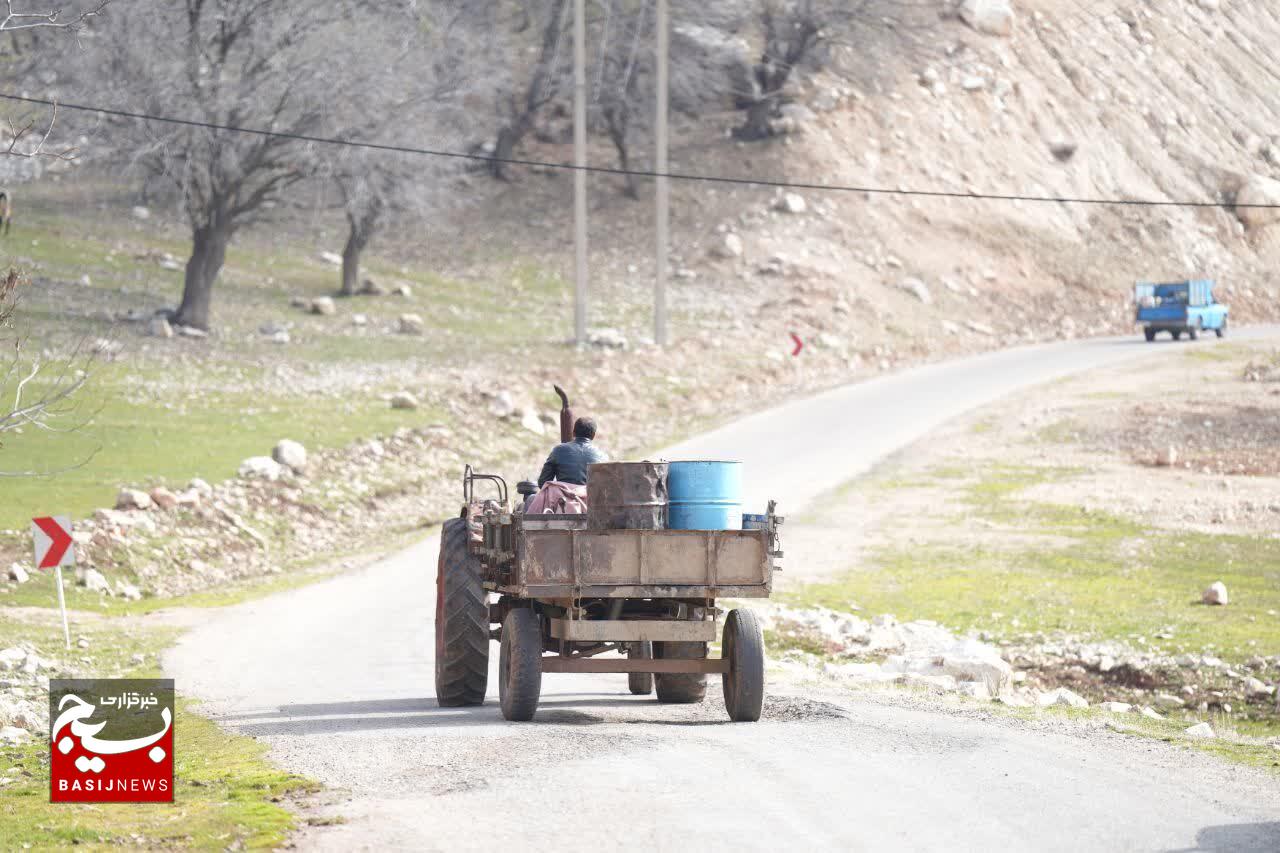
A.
x: 18, y: 134
x: 12, y: 19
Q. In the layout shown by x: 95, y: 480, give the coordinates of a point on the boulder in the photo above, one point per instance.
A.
x: 790, y: 203
x: 192, y: 332
x: 163, y: 498
x: 1168, y: 457
x: 372, y: 288
x: 1258, y: 190
x: 1062, y: 696
x: 608, y: 339
x: 12, y: 658
x: 12, y: 735
x: 1169, y: 701
x: 128, y: 591
x: 1216, y: 594
x: 291, y: 453
x: 974, y: 690
x: 159, y: 327
x: 502, y: 406
x: 411, y: 324
x: 1200, y: 730
x: 93, y: 580
x: 133, y: 499
x: 331, y: 258
x: 262, y: 468
x: 141, y: 213
x: 17, y: 573
x: 918, y: 289
x: 530, y: 421
x: 402, y: 290
x: 1116, y: 707
x: 404, y: 400
x: 993, y: 17
x: 1256, y: 687
x: 730, y: 246
x: 200, y: 487
x: 324, y: 306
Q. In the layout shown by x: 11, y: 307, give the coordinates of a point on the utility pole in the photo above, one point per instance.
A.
x: 580, y: 173
x: 662, y: 194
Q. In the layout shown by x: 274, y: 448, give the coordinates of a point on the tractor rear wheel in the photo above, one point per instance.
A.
x: 520, y: 665
x: 462, y: 622
x: 1177, y: 334
x: 683, y: 688
x: 743, y: 646
x: 640, y: 683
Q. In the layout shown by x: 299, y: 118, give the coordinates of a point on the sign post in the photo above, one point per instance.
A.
x: 51, y: 536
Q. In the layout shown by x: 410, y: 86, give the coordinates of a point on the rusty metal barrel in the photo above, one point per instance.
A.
x: 627, y: 496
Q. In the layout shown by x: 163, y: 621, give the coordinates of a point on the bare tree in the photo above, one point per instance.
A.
x: 35, y: 392
x: 229, y: 63
x: 372, y: 187
x: 545, y: 80
x: 15, y: 19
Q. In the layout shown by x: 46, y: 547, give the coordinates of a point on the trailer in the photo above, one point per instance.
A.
x: 561, y: 597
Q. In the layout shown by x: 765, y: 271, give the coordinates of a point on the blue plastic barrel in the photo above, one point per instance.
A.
x: 754, y: 522
x: 704, y: 495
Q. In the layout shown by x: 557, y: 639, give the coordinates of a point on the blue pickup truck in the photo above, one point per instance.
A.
x: 1184, y: 306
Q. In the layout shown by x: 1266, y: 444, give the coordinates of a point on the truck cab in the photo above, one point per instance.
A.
x: 1178, y: 307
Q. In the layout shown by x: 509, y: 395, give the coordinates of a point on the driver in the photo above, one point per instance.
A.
x: 568, y: 462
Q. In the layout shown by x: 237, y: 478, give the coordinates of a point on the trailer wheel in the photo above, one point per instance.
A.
x: 1193, y: 332
x: 1150, y: 334
x: 1222, y: 330
x: 680, y: 689
x: 520, y: 665
x: 640, y: 683
x: 462, y: 622
x: 743, y: 647
x: 1177, y: 334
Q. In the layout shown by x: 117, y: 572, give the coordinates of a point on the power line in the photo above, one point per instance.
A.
x: 639, y: 173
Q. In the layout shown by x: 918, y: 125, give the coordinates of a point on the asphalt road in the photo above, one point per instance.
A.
x: 337, y: 678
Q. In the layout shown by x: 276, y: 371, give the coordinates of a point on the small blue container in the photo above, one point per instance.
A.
x: 704, y: 495
x: 754, y: 522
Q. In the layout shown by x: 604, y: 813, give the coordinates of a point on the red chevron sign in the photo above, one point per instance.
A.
x: 52, y: 536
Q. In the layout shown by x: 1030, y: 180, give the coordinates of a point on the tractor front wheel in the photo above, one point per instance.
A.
x: 462, y: 622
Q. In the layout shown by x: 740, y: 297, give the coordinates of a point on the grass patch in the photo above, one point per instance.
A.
x: 1092, y: 574
x: 226, y: 794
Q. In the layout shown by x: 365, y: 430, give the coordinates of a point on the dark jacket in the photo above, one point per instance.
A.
x: 568, y: 462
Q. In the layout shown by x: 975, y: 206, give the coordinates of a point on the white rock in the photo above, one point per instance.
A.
x: 324, y: 306
x: 791, y: 203
x: 1261, y: 191
x: 133, y: 499
x: 1116, y: 707
x: 502, y: 406
x: 994, y: 17
x: 262, y: 468
x: 974, y: 690
x: 973, y: 83
x: 1256, y: 687
x: 1215, y: 594
x: 918, y: 289
x: 159, y: 327
x: 141, y: 213
x: 200, y: 487
x: 12, y: 658
x: 13, y: 735
x: 1168, y: 457
x: 332, y: 258
x: 530, y: 421
x: 411, y: 324
x: 192, y: 332
x: 291, y: 453
x: 1062, y: 696
x: 17, y: 573
x: 403, y: 400
x: 1150, y: 713
x: 163, y: 498
x: 1200, y: 730
x: 730, y: 246
x: 1168, y: 700
x: 937, y: 683
x: 93, y: 581
x: 608, y: 339
x: 128, y: 591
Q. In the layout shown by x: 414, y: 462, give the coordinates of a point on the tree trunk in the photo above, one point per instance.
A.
x: 208, y: 253
x: 756, y: 126
x: 616, y: 121
x: 505, y: 145
x: 356, y: 241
